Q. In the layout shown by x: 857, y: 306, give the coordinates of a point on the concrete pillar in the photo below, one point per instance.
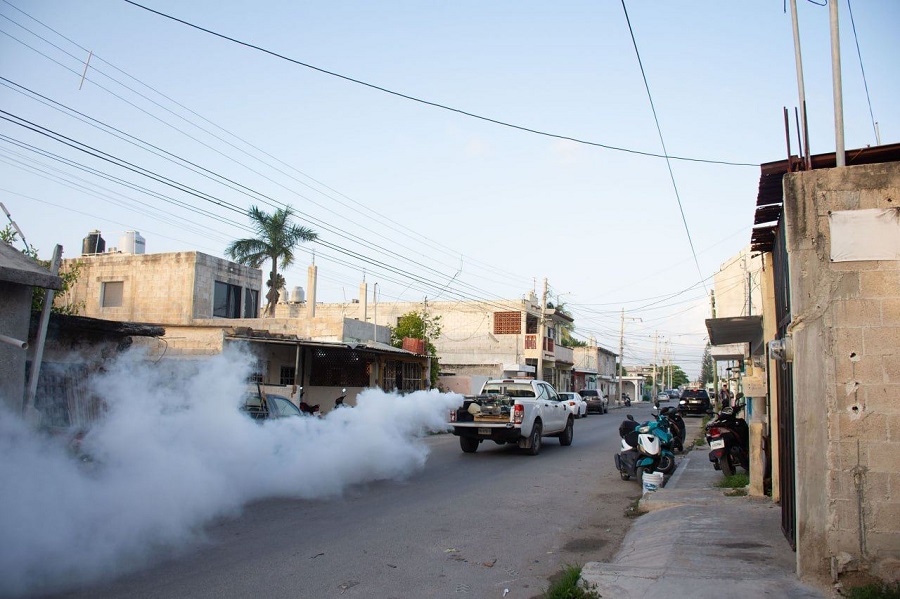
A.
x: 311, y: 276
x: 757, y: 457
x: 363, y: 301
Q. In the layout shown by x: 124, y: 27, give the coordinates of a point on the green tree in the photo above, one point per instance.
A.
x: 68, y: 275
x: 707, y: 367
x: 275, y: 240
x: 566, y: 328
x: 417, y: 325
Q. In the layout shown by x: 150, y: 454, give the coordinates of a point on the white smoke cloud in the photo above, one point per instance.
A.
x: 174, y: 452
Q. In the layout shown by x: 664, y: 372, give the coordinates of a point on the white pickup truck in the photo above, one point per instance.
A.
x: 520, y: 411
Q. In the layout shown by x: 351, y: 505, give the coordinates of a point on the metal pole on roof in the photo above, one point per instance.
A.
x: 798, y: 59
x: 41, y: 337
x: 839, y: 157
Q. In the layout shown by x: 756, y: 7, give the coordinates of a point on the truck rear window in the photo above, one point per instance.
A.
x: 509, y: 389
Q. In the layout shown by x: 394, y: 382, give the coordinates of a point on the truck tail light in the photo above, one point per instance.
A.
x: 518, y: 413
x: 452, y: 415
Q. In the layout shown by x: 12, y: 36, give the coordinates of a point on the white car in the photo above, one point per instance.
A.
x: 574, y: 402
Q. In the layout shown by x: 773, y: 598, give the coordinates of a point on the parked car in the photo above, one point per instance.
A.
x: 272, y: 406
x: 662, y: 396
x: 576, y: 403
x: 673, y: 394
x: 595, y: 401
x: 694, y: 401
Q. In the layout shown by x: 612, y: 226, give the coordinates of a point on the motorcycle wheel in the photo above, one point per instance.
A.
x: 726, y: 465
x: 666, y: 465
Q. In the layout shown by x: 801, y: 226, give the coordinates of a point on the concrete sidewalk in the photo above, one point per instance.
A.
x: 697, y: 542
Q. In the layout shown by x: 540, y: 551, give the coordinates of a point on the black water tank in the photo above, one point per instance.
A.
x: 93, y: 244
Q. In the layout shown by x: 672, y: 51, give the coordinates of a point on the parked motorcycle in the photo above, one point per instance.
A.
x: 641, y: 449
x: 729, y: 441
x: 676, y: 426
x: 661, y: 428
x: 626, y: 399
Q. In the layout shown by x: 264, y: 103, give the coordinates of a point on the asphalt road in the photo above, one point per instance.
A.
x: 491, y: 524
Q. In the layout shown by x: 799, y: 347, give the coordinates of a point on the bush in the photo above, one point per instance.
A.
x: 566, y: 586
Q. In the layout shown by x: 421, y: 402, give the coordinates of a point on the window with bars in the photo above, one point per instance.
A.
x: 507, y: 323
x: 258, y: 373
x: 287, y: 375
x: 339, y: 368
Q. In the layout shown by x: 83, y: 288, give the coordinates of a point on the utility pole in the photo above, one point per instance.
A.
x: 425, y: 342
x: 621, y: 351
x: 655, y: 360
x: 540, y: 341
x: 712, y: 301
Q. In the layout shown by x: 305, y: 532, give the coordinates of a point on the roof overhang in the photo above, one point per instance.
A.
x: 736, y: 330
x: 732, y: 351
x: 370, y: 346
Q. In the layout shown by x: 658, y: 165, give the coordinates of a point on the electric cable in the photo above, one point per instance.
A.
x: 427, y: 102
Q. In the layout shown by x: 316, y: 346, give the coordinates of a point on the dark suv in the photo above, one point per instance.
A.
x: 694, y: 401
x: 595, y: 402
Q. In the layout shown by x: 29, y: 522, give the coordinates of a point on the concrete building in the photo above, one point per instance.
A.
x: 170, y: 289
x: 479, y: 339
x: 830, y: 248
x: 207, y: 303
x: 595, y: 368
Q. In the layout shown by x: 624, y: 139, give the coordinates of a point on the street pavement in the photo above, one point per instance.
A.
x: 695, y: 541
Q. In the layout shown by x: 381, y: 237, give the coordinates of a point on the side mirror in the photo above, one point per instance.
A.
x: 629, y: 417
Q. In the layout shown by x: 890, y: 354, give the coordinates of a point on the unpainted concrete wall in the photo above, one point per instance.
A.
x: 846, y: 332
x: 15, y: 314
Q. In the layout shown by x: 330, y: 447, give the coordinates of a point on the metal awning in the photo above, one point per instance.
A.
x: 736, y: 329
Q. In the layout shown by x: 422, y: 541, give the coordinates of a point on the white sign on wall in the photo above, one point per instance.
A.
x: 865, y: 234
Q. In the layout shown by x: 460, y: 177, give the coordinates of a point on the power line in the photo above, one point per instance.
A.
x: 661, y: 140
x: 863, y: 71
x: 429, y: 103
x: 392, y: 224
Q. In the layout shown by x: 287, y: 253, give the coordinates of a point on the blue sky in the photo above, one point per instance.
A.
x: 442, y: 205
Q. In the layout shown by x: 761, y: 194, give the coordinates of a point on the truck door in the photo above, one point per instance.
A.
x: 555, y: 413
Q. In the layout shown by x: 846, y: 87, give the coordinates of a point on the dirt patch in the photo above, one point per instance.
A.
x: 584, y: 545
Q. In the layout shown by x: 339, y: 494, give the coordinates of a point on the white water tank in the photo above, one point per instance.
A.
x: 297, y: 295
x: 132, y: 243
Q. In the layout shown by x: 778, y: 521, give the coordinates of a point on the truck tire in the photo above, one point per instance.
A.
x: 565, y: 438
x: 468, y: 444
x: 534, y: 441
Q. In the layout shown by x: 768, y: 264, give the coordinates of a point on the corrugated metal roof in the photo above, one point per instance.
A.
x: 769, y: 200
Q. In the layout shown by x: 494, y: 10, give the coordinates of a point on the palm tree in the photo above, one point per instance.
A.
x: 275, y: 240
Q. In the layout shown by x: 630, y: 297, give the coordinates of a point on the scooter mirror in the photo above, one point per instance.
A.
x: 629, y: 417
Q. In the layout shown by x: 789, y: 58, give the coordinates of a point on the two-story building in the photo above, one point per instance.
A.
x: 595, y: 368
x: 206, y: 304
x: 478, y: 340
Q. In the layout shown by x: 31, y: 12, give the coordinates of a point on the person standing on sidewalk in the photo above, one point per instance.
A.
x: 725, y: 396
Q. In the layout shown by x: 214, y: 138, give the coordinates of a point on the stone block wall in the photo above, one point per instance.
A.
x: 170, y: 288
x: 846, y: 333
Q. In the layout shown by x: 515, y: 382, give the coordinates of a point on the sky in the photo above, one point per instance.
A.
x: 181, y: 131
x: 66, y: 521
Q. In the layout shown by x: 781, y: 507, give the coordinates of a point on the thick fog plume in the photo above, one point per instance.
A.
x: 172, y: 453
